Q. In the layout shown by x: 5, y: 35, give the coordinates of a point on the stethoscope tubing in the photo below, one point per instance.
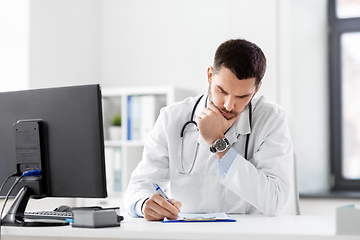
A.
x: 248, y: 135
x: 191, y: 121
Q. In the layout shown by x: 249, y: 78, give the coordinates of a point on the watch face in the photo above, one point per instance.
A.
x: 220, y: 144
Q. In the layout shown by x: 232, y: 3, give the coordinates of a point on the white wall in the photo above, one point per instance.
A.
x: 163, y: 42
x: 140, y: 42
x: 14, y: 44
x: 65, y: 42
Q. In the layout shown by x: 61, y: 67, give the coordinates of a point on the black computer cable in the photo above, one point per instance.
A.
x: 3, y: 184
x: 21, y: 176
x: 7, y: 197
x: 14, y: 175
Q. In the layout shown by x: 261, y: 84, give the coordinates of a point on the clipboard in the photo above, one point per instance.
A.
x: 207, y: 217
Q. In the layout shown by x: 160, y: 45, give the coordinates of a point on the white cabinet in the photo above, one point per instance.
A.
x: 139, y: 108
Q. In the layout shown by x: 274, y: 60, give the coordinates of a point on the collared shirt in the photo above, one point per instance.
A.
x: 260, y: 184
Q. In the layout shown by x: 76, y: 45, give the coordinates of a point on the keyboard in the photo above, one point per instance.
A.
x: 49, y: 215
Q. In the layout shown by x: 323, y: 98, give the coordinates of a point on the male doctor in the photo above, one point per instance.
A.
x: 237, y: 158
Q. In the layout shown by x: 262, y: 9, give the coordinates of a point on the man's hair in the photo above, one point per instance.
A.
x: 243, y: 58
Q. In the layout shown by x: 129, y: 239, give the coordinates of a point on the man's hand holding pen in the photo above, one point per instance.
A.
x: 159, y: 206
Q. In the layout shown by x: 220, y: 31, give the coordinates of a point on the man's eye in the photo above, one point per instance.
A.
x: 243, y: 97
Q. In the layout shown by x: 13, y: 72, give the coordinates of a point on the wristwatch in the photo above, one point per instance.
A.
x: 219, y: 145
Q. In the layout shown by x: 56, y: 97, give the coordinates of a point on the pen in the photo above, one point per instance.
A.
x: 158, y: 189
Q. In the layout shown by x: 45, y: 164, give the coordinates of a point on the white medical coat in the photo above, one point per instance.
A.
x: 261, y: 184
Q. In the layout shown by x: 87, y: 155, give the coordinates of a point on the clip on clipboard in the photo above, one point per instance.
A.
x: 208, y: 217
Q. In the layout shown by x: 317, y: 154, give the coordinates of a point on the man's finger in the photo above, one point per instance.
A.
x: 164, y: 204
x: 176, y: 204
x: 213, y: 108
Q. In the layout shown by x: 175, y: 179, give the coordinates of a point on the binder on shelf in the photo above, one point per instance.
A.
x: 129, y: 117
x: 117, y: 170
x: 113, y: 156
x: 109, y: 172
x: 150, y: 110
x: 148, y: 113
x: 135, y: 118
x: 142, y: 113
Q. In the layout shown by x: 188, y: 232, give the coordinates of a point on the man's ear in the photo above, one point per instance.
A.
x: 210, y: 72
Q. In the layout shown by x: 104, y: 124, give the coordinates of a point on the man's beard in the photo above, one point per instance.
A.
x: 223, y: 110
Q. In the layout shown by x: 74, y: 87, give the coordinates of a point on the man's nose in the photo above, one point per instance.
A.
x: 229, y: 103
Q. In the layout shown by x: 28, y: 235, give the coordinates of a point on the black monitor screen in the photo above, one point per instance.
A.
x: 71, y: 118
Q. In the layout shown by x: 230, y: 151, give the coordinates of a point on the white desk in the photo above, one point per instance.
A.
x: 246, y: 227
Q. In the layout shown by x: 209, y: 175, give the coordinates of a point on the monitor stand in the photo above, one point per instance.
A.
x: 15, y: 215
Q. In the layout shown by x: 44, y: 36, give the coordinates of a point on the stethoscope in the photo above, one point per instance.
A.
x: 191, y: 121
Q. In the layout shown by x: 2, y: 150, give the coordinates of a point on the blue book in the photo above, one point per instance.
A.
x: 135, y: 118
x: 129, y: 118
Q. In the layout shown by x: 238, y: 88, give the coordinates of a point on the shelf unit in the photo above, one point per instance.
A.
x: 122, y: 156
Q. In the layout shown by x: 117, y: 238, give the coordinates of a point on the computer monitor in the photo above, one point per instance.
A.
x: 58, y: 131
